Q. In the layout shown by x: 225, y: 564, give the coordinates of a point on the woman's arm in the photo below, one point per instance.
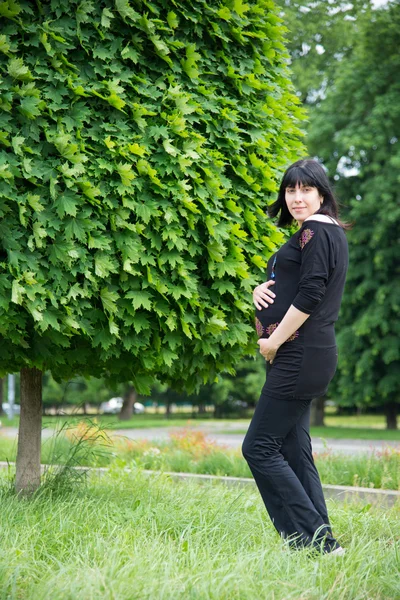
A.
x: 293, y: 320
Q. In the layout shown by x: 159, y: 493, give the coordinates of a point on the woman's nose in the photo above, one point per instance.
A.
x: 297, y: 195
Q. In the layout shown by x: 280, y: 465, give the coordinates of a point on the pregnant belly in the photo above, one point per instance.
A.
x: 268, y: 319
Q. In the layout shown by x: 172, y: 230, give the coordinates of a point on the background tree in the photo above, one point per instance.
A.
x: 78, y: 392
x: 242, y: 391
x: 232, y: 395
x: 360, y: 144
x: 129, y: 397
x: 138, y: 150
x: 1, y: 395
x: 320, y: 36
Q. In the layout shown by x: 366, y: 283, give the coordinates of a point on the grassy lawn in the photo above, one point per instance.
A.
x: 338, y: 432
x: 136, y: 422
x: 130, y: 537
x: 363, y: 427
x: 373, y: 421
x: 366, y: 427
x: 361, y: 433
x: 190, y: 451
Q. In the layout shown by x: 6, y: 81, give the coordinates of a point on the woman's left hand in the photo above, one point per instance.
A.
x: 268, y: 348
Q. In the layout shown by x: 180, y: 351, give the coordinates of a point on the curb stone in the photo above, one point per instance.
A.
x: 377, y: 497
x: 343, y: 493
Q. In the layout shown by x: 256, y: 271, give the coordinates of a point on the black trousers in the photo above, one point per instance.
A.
x: 277, y: 448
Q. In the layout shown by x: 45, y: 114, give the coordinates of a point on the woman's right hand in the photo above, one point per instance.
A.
x: 263, y: 296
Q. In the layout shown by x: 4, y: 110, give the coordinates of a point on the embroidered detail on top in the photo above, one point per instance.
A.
x: 259, y: 327
x: 305, y: 237
x: 271, y: 328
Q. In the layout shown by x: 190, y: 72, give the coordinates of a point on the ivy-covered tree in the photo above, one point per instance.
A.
x: 355, y: 130
x: 140, y: 144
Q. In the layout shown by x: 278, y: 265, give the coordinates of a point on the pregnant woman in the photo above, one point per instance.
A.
x: 296, y: 312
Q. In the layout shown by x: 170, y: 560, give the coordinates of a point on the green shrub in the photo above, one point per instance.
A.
x: 139, y: 147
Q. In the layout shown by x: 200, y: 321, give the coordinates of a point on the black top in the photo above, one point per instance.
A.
x: 309, y: 271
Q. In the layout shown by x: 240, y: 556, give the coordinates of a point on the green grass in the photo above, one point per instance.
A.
x: 112, y: 422
x: 338, y: 433
x: 189, y: 451
x: 359, y: 427
x: 132, y: 538
x: 136, y: 422
x: 355, y: 433
x: 372, y: 421
x: 363, y: 427
x: 6, y: 422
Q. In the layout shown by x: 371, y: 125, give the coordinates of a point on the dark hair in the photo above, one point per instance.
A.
x: 306, y: 171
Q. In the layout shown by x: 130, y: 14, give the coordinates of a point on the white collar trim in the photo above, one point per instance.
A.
x: 322, y: 218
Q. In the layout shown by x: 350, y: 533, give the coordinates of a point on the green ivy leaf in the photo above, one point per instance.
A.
x: 126, y: 174
x: 106, y: 17
x: 17, y: 292
x: 140, y: 299
x: 172, y: 19
x: 109, y: 300
x: 17, y: 70
x: 30, y: 107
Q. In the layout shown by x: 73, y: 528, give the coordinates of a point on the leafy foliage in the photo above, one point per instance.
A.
x: 139, y: 145
x: 321, y: 35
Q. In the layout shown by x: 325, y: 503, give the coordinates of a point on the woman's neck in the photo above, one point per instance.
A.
x: 322, y: 218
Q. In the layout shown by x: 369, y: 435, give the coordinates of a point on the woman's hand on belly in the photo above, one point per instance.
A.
x: 268, y: 349
x: 262, y: 295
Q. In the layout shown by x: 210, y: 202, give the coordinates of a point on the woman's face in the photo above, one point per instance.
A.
x: 302, y: 201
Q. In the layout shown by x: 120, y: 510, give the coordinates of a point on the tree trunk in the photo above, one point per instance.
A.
x: 127, y: 406
x: 30, y: 429
x: 1, y: 395
x: 167, y: 409
x: 218, y: 411
x: 318, y: 412
x: 202, y: 409
x: 391, y: 415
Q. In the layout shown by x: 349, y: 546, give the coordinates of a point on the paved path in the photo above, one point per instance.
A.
x: 234, y: 440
